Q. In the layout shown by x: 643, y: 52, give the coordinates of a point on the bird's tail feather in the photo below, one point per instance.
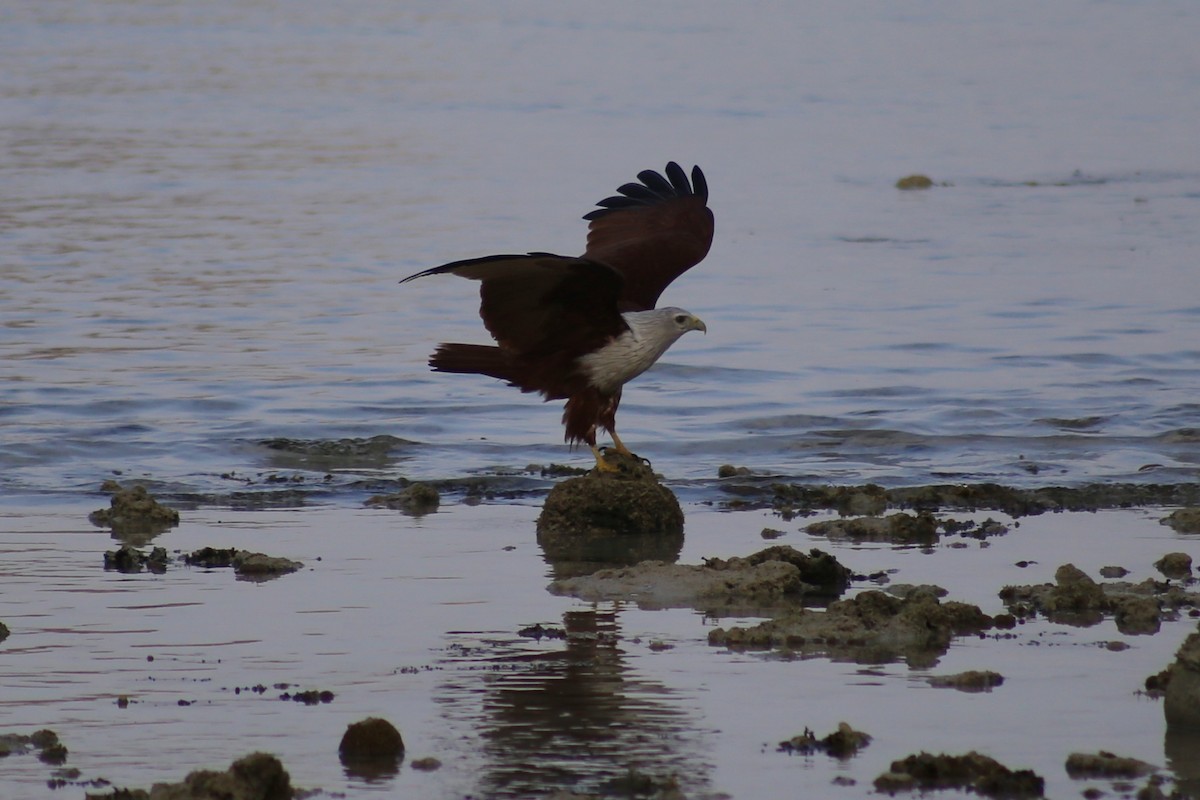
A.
x: 474, y: 359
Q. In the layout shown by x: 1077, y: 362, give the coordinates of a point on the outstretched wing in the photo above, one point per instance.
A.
x: 540, y: 304
x: 652, y: 232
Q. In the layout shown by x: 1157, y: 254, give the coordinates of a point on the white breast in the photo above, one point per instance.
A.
x: 650, y: 334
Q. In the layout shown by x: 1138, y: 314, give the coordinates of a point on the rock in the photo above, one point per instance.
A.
x: 1175, y: 565
x: 130, y: 560
x: 1105, y: 765
x: 416, y: 500
x: 969, y: 681
x: 133, y: 514
x: 371, y: 747
x: 910, y: 182
x: 730, y: 471
x: 1181, y: 702
x: 628, y: 502
x: 4, y: 632
x: 769, y: 578
x: 258, y: 776
x: 251, y: 566
x: 971, y: 772
x: 898, y: 528
x: 870, y: 628
x: 1184, y: 520
x: 842, y: 743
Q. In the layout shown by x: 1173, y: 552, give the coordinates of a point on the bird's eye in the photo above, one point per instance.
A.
x: 680, y: 319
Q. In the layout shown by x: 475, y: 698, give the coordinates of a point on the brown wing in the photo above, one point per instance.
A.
x: 542, y: 305
x: 652, y: 232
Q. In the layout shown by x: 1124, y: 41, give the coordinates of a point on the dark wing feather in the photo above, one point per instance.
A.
x: 543, y: 305
x: 652, y: 232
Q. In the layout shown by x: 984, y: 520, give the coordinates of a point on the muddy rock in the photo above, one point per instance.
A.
x: 1181, y: 702
x: 1184, y: 520
x: 4, y: 632
x: 49, y: 749
x: 971, y: 772
x: 134, y: 516
x: 870, y: 628
x: 1105, y: 765
x: 1175, y: 565
x: 252, y: 566
x: 898, y: 528
x: 129, y: 559
x: 371, y: 748
x: 258, y: 776
x: 1075, y: 599
x: 416, y: 500
x: 630, y: 501
x: 969, y: 681
x: 326, y: 455
x: 842, y: 744
x: 911, y: 182
x: 772, y: 577
x: 797, y: 499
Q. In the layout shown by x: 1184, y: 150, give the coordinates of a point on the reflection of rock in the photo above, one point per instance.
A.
x: 258, y: 776
x: 134, y: 516
x: 1181, y: 746
x: 870, y: 628
x: 772, y: 577
x: 973, y: 772
x: 571, y: 715
x: 371, y: 748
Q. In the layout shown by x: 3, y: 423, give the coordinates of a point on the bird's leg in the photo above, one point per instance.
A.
x: 619, y: 446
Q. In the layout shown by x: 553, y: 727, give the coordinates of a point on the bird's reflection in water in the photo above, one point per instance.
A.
x: 568, y: 711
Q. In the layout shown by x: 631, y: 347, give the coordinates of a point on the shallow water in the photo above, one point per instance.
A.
x: 209, y: 209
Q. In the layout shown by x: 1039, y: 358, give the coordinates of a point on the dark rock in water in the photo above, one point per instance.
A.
x: 971, y: 772
x: 134, y: 516
x: 1105, y: 765
x: 870, y: 628
x: 969, y: 681
x: 258, y: 776
x: 898, y: 528
x: 130, y: 560
x: 253, y: 566
x: 1175, y: 565
x: 1184, y: 520
x: 1181, y: 702
x: 3, y: 631
x: 371, y: 748
x: 416, y: 500
x: 776, y: 577
x: 841, y: 744
x: 629, y: 501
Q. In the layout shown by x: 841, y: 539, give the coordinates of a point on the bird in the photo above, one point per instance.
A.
x: 578, y: 328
